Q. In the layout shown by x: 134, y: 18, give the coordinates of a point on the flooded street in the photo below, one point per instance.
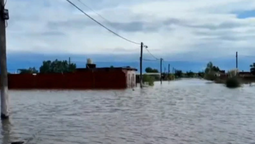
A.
x: 179, y: 112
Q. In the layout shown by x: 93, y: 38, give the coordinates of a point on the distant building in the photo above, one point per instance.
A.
x: 125, y: 75
x: 90, y: 77
x: 245, y: 74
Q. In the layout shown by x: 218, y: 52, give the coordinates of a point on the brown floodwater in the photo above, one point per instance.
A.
x: 189, y: 111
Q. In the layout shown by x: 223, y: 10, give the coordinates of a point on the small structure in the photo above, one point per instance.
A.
x: 90, y: 64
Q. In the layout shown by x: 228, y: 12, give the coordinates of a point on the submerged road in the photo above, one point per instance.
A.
x: 180, y: 112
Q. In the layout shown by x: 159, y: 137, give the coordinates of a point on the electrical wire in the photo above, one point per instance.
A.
x: 152, y: 54
x: 150, y: 60
x: 93, y: 11
x: 100, y: 23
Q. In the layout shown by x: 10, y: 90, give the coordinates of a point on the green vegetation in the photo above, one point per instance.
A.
x: 233, y: 82
x: 252, y: 68
x: 201, y: 74
x: 190, y: 74
x: 178, y: 74
x: 171, y: 76
x: 211, y: 76
x: 30, y: 70
x: 56, y: 66
x: 211, y: 71
x: 148, y: 79
x: 151, y: 70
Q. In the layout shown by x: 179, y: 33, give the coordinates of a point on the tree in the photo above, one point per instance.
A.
x: 57, y: 67
x: 215, y: 68
x: 201, y: 74
x: 178, y: 73
x: 151, y: 70
x: 30, y: 70
x: 210, y: 71
x: 190, y: 74
x: 252, y: 68
x: 211, y: 68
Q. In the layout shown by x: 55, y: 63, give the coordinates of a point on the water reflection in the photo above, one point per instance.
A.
x: 6, y: 131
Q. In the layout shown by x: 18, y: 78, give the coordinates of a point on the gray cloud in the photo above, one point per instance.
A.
x: 133, y: 26
x: 163, y: 24
x: 224, y: 25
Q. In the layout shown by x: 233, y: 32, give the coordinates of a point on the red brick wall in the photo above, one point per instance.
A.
x: 79, y: 80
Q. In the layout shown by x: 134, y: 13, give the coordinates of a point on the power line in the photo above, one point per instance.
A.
x: 152, y: 54
x: 100, y: 23
x: 150, y: 60
x: 93, y: 11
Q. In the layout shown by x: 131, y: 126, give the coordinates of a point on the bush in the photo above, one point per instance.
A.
x: 233, y: 82
x: 210, y: 76
x: 148, y: 79
x: 171, y: 77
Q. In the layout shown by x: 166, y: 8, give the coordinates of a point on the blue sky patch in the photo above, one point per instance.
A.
x: 246, y: 14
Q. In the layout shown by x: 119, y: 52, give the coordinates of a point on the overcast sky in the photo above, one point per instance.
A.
x: 180, y: 29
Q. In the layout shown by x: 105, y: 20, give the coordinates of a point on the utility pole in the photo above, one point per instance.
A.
x: 236, y: 60
x: 168, y: 72
x: 4, y: 75
x: 161, y: 70
x: 141, y: 66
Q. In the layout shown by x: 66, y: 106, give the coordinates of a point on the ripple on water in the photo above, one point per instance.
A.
x: 177, y: 112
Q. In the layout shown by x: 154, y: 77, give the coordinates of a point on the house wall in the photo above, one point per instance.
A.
x: 130, y: 78
x: 114, y: 79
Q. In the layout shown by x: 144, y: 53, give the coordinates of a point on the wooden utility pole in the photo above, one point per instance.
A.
x: 141, y: 66
x: 236, y: 60
x: 161, y: 70
x: 4, y: 75
x: 168, y: 76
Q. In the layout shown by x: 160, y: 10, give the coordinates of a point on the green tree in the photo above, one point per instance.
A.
x: 201, y: 74
x: 252, y: 68
x: 57, y: 67
x: 190, y: 74
x: 151, y: 70
x: 178, y: 73
x: 30, y: 70
x: 211, y: 68
x: 210, y: 71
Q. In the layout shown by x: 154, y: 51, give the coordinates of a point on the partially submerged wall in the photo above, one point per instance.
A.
x: 78, y: 80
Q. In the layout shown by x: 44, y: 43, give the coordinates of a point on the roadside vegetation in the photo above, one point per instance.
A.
x: 213, y: 73
x: 147, y: 79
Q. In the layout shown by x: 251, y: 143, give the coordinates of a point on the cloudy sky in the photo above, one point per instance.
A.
x: 177, y: 30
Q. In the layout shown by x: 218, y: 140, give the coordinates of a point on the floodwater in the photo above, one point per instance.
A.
x: 179, y: 112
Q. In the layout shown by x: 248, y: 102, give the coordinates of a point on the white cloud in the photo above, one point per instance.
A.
x: 166, y: 26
